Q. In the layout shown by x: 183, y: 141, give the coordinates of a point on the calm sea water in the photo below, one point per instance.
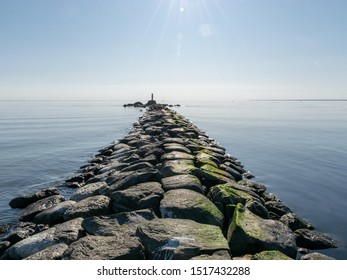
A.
x: 297, y: 149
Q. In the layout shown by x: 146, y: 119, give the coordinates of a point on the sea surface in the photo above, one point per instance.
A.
x: 298, y: 149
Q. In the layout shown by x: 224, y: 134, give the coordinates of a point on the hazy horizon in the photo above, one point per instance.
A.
x: 176, y: 49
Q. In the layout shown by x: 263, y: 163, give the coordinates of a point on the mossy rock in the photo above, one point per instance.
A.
x: 214, y: 175
x: 202, y: 158
x: 177, y: 156
x: 176, y: 148
x: 188, y: 204
x: 210, y: 168
x: 177, y: 167
x: 180, y: 239
x: 270, y: 255
x: 225, y: 194
x: 184, y: 181
x: 251, y: 234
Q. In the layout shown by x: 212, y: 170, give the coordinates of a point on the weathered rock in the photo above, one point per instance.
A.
x: 277, y: 207
x: 176, y: 156
x: 246, y: 257
x: 294, y: 222
x: 24, y: 201
x: 33, y: 209
x: 176, y: 148
x: 137, y: 166
x: 105, y: 248
x: 203, y: 158
x: 16, y: 235
x: 180, y: 239
x: 255, y: 187
x: 135, y: 178
x: 270, y: 255
x: 88, y: 191
x: 185, y: 181
x: 188, y: 204
x: 152, y: 159
x: 4, y: 228
x: 3, y: 246
x: 54, y: 215
x: 316, y: 256
x: 113, y: 166
x: 226, y: 194
x: 177, y: 167
x: 170, y: 140
x: 91, y: 206
x: 141, y: 196
x: 250, y: 234
x: 22, y: 231
x: 218, y: 255
x: 54, y: 252
x: 236, y: 175
x: 314, y: 240
x: 214, y: 175
x: 79, y: 178
x: 62, y: 233
x: 147, y: 149
x: 235, y: 166
x: 121, y: 224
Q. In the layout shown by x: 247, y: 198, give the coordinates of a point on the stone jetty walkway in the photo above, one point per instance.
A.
x: 164, y: 191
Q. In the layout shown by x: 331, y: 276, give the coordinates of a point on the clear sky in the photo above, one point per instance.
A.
x: 177, y: 49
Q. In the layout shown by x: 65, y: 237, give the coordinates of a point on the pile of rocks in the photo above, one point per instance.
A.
x: 164, y: 191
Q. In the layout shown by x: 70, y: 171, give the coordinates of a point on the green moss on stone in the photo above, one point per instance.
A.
x: 270, y: 255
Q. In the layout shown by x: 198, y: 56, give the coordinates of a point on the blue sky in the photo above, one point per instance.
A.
x: 178, y: 49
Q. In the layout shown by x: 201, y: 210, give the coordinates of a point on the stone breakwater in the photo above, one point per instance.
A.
x: 164, y: 191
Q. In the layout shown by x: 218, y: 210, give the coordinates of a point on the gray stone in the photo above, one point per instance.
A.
x: 33, y: 209
x: 218, y: 255
x: 226, y: 194
x: 137, y: 166
x: 176, y: 148
x: 24, y: 201
x: 314, y: 240
x: 177, y: 167
x: 176, y: 156
x: 54, y: 252
x: 203, y: 158
x: 91, y: 206
x: 236, y: 175
x: 187, y: 204
x: 277, y: 207
x: 250, y: 234
x: 185, y: 181
x: 253, y: 186
x: 141, y: 196
x: 113, y: 166
x: 105, y: 248
x: 22, y: 231
x: 270, y: 255
x: 180, y: 239
x: 4, y: 229
x: 134, y: 178
x: 122, y: 224
x: 88, y: 191
x: 214, y: 175
x: 3, y: 246
x: 62, y: 233
x: 54, y: 215
x: 316, y: 256
x: 294, y: 222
